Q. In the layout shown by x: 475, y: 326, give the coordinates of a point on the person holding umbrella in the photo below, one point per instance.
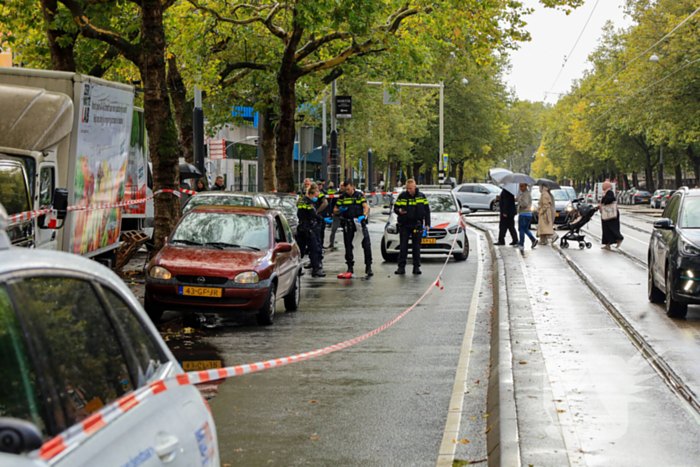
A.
x: 506, y: 204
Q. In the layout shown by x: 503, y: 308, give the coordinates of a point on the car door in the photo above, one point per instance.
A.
x: 481, y: 197
x: 465, y: 196
x: 88, y: 349
x: 664, y: 239
x: 46, y: 238
x: 283, y: 261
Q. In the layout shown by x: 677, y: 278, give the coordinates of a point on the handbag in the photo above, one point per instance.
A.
x: 608, y: 211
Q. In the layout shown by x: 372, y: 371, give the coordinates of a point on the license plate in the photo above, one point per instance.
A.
x: 428, y: 241
x: 200, y: 291
x: 201, y: 365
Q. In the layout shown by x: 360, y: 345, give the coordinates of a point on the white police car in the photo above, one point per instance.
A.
x: 74, y: 339
x: 445, y: 222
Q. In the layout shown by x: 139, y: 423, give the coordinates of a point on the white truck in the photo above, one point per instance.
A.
x: 79, y: 133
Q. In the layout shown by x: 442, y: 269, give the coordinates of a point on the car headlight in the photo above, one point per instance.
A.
x: 533, y: 209
x: 454, y: 230
x: 159, y: 272
x: 249, y: 277
x: 392, y: 229
x: 686, y: 248
x: 569, y: 208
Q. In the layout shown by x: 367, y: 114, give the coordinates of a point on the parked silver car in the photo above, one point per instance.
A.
x: 478, y: 196
x: 73, y: 339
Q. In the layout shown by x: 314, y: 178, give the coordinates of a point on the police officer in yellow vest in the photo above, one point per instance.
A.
x: 353, y: 209
x: 413, y: 213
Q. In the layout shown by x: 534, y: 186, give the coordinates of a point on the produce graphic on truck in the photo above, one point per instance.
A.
x: 83, y: 134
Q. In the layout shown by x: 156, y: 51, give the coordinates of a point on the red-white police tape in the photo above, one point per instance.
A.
x: 25, y: 216
x: 61, y: 445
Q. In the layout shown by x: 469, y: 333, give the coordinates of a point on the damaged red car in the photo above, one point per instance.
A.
x: 226, y: 259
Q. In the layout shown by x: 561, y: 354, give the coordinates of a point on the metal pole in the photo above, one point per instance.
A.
x: 261, y: 164
x: 335, y: 160
x: 370, y: 175
x: 334, y: 111
x: 661, y: 168
x: 441, y: 170
x: 198, y: 130
x: 240, y: 168
x: 323, y: 127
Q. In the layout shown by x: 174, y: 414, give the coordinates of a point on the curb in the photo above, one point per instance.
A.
x: 502, y: 440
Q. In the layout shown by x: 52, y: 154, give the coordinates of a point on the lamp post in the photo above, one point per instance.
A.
x: 240, y: 158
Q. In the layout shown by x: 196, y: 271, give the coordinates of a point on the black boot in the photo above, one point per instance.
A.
x: 368, y: 270
x: 317, y: 272
x: 416, y: 270
x: 350, y: 269
x: 400, y: 271
x: 307, y: 266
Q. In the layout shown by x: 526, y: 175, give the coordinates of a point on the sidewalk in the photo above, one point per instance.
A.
x: 583, y: 394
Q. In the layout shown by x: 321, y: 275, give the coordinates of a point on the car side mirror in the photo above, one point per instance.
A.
x: 466, y: 210
x: 664, y: 224
x: 283, y: 248
x: 60, y: 203
x: 18, y: 436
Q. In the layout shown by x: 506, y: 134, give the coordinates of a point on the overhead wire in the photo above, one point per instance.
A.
x: 566, y: 59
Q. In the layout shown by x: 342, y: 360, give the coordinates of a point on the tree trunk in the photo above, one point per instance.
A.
x: 695, y: 160
x: 635, y: 180
x: 161, y: 129
x: 286, y: 130
x: 62, y: 57
x: 460, y: 174
x: 183, y: 109
x: 627, y: 181
x: 679, y: 176
x: 268, y: 149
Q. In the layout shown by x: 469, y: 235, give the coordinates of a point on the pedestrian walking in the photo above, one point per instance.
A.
x: 506, y: 204
x: 413, y: 213
x: 219, y: 184
x: 611, y: 218
x: 201, y: 185
x: 525, y: 216
x: 354, y: 212
x: 306, y: 230
x: 320, y: 204
x: 546, y: 211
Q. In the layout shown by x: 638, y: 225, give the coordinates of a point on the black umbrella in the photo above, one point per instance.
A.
x: 517, y: 178
x: 188, y: 171
x: 548, y: 183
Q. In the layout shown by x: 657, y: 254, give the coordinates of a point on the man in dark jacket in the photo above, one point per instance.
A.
x: 413, y: 213
x: 507, y: 218
x: 219, y: 184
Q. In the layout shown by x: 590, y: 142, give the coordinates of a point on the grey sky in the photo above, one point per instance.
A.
x: 536, y: 65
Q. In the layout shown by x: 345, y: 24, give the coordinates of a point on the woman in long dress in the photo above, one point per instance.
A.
x: 546, y: 210
x: 611, y: 227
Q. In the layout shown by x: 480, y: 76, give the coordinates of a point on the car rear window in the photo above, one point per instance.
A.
x: 232, y: 200
x: 222, y: 230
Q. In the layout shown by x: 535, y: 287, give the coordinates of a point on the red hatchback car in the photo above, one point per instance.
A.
x: 226, y: 259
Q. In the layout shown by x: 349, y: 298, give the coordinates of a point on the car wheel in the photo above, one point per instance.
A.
x: 291, y: 301
x: 464, y: 254
x: 153, y: 312
x: 266, y: 314
x: 495, y: 207
x: 655, y: 294
x: 388, y: 257
x: 674, y: 309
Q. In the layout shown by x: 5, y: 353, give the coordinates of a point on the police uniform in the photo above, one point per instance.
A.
x: 321, y: 230
x: 306, y: 233
x: 350, y: 208
x: 332, y: 201
x: 411, y: 225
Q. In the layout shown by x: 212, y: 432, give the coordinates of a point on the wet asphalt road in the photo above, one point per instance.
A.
x: 382, y: 402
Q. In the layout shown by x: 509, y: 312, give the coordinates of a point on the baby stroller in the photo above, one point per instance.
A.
x: 584, y: 213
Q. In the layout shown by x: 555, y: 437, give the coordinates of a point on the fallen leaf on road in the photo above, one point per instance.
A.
x: 239, y: 450
x: 314, y: 437
x: 488, y: 429
x: 485, y: 416
x: 312, y: 402
x: 463, y: 441
x: 188, y: 330
x: 473, y: 418
x: 561, y: 411
x: 523, y: 363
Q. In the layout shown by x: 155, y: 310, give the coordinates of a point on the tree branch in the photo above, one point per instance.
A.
x: 354, y: 49
x: 235, y: 78
x: 313, y: 45
x: 127, y: 49
x: 231, y: 67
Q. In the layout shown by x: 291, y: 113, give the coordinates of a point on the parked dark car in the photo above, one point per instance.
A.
x: 639, y: 197
x: 226, y: 259
x: 674, y: 254
x: 287, y: 203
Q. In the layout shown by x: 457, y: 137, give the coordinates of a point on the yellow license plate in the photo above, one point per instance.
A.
x: 200, y: 291
x: 201, y: 365
x: 428, y: 241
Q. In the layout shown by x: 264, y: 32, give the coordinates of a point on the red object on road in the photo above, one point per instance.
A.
x: 345, y: 275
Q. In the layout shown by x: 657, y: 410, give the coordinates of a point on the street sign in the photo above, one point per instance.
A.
x: 217, y: 149
x: 360, y: 165
x: 343, y: 106
x: 445, y: 161
x: 306, y: 140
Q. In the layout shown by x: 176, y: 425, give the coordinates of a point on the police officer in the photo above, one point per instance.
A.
x: 323, y: 212
x: 320, y: 204
x: 413, y: 213
x: 334, y: 221
x: 306, y: 231
x: 352, y: 207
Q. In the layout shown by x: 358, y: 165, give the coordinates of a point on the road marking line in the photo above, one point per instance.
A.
x: 567, y: 426
x: 448, y: 447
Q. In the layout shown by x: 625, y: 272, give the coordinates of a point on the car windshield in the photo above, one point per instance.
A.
x: 223, y: 230
x: 285, y: 204
x: 492, y: 188
x: 535, y: 193
x: 560, y: 195
x: 690, y: 218
x: 231, y: 200
x: 441, y: 203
